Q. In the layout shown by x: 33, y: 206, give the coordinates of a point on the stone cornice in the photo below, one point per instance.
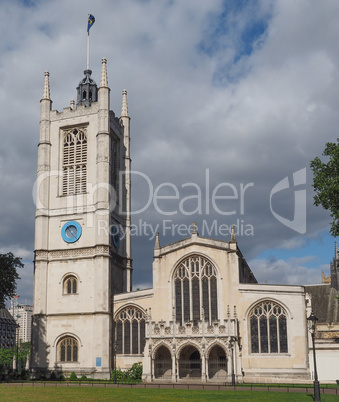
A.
x: 76, y: 253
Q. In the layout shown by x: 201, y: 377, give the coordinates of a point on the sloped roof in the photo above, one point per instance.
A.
x: 324, y: 302
x: 4, y: 313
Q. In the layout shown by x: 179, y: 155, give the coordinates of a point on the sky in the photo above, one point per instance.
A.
x: 229, y: 102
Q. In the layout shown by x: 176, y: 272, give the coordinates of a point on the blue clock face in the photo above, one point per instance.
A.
x: 116, y: 236
x: 71, y: 232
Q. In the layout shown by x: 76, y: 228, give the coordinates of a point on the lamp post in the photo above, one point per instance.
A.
x: 312, y: 324
x: 232, y: 344
x: 17, y: 333
x: 115, y: 362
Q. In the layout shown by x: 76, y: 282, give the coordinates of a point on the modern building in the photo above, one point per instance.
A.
x: 22, y: 313
x: 205, y: 319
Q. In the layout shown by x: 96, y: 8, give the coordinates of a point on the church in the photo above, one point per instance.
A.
x: 206, y: 319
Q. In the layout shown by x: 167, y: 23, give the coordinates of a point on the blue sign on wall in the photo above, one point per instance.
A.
x: 98, y: 362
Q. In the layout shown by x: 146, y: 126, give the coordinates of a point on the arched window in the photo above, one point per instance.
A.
x: 68, y: 350
x: 70, y: 285
x: 195, y: 286
x: 130, y: 331
x: 74, y: 162
x: 268, y: 328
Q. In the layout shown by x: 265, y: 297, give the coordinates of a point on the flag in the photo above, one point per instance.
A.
x: 91, y: 21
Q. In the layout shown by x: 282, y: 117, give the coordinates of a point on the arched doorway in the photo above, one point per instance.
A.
x: 190, y: 363
x: 217, y: 363
x: 163, y: 363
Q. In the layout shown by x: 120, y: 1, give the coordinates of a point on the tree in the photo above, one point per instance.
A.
x: 23, y: 352
x: 326, y: 183
x: 6, y: 357
x: 8, y: 276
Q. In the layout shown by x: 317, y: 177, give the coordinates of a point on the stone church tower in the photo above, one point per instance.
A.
x: 82, y: 229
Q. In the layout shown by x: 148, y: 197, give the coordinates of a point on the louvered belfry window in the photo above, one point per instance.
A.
x: 195, y: 287
x: 74, y: 162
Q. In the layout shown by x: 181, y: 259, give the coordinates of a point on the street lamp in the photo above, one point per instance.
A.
x: 232, y: 344
x: 17, y: 333
x: 115, y: 362
x: 312, y: 324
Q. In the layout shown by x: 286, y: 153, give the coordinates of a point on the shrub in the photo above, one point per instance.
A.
x: 135, y: 372
x: 131, y: 375
x: 73, y: 376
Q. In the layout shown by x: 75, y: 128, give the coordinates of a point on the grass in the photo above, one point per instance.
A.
x: 14, y: 393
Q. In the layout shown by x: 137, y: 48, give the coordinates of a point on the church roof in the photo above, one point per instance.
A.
x: 324, y: 302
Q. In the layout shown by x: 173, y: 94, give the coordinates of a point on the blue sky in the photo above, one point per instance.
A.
x: 247, y: 90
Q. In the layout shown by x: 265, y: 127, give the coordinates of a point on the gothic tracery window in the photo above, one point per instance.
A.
x: 68, y: 350
x: 268, y: 328
x: 74, y: 162
x: 195, y: 286
x: 130, y: 331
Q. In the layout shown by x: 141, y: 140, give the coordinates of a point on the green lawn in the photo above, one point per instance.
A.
x: 13, y: 393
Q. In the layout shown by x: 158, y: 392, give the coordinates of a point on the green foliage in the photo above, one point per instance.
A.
x: 326, y: 183
x: 24, y: 350
x: 133, y: 374
x: 6, y: 357
x: 83, y: 377
x: 6, y: 365
x: 53, y: 376
x: 9, y: 276
x: 73, y: 376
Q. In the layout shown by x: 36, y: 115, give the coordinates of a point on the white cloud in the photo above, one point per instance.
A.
x: 198, y: 99
x: 290, y: 272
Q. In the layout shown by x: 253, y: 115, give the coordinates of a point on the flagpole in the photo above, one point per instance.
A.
x: 90, y: 22
x: 88, y: 50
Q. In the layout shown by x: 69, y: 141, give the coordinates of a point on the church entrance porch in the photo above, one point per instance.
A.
x: 217, y: 364
x: 163, y: 364
x: 189, y: 363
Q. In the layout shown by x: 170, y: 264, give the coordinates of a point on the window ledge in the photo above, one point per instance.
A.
x: 269, y: 355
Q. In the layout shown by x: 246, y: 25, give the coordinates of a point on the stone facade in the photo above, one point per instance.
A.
x: 206, y: 318
x: 211, y: 350
x: 80, y: 258
x: 323, y: 300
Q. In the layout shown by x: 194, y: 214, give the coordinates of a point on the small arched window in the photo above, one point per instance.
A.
x: 130, y: 331
x: 268, y: 328
x: 68, y: 350
x: 70, y: 285
x: 195, y: 288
